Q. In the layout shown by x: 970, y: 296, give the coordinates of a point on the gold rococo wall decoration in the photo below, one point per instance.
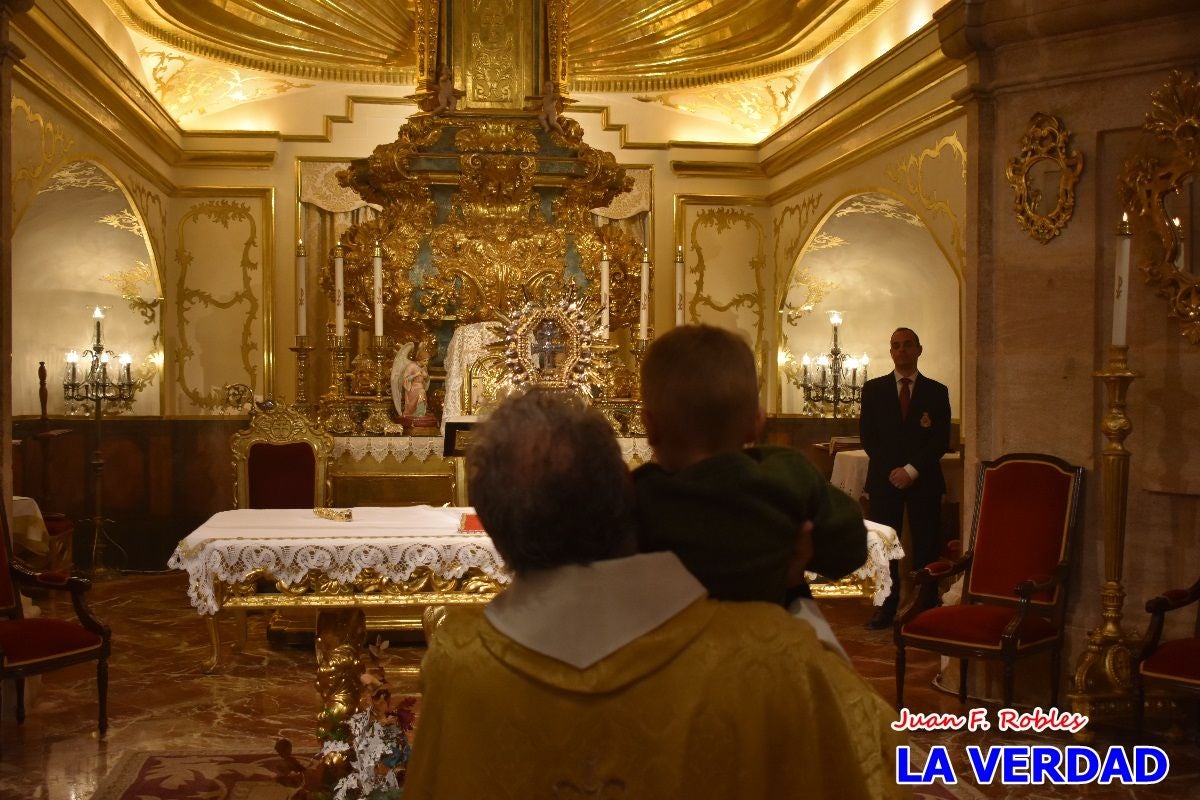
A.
x: 1165, y: 169
x: 1046, y: 146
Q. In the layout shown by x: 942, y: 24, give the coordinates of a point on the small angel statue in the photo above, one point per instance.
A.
x: 551, y: 105
x: 410, y: 380
x: 447, y: 95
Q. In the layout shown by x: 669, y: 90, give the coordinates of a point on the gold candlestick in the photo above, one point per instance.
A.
x: 378, y: 420
x: 1102, y: 686
x: 638, y: 348
x: 337, y: 417
x: 302, y: 349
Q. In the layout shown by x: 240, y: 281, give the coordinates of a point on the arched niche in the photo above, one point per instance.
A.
x: 80, y: 244
x: 874, y: 259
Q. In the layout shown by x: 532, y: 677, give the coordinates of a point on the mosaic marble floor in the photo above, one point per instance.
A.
x: 159, y: 700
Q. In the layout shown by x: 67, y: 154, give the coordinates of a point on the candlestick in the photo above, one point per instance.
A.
x: 1121, y: 283
x: 679, y: 270
x: 377, y: 292
x: 1179, y: 260
x: 644, y: 304
x: 604, y: 298
x: 339, y: 299
x: 301, y: 287
x: 98, y: 315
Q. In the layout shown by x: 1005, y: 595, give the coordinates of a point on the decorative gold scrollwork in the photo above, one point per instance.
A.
x: 1164, y: 170
x: 1045, y: 157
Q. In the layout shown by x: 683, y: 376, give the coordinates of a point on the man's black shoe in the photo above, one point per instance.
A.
x: 880, y: 620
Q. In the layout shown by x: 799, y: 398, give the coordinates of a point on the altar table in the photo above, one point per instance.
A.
x: 405, y: 557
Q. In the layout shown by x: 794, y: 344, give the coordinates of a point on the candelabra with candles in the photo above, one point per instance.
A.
x: 832, y: 383
x: 96, y: 387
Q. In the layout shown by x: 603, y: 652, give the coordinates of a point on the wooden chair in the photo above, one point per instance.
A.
x: 33, y: 646
x: 1015, y: 595
x: 1173, y: 665
x: 281, y: 460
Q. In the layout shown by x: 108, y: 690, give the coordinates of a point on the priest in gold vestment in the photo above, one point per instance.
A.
x: 605, y: 673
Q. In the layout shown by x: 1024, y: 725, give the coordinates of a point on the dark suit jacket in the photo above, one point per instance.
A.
x: 921, y: 439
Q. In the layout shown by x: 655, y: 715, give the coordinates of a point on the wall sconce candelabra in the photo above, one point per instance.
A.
x: 832, y: 383
x: 96, y: 386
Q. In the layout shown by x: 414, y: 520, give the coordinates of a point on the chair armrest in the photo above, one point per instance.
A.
x: 1026, y: 589
x: 1173, y: 599
x: 1158, y: 607
x: 57, y: 581
x: 942, y: 568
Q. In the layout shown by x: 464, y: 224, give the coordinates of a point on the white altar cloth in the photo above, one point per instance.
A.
x: 288, y: 543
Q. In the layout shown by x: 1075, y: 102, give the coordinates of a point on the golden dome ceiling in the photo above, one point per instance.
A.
x: 615, y: 45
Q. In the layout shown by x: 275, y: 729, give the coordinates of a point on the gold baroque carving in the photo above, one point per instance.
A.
x: 1148, y: 179
x: 910, y: 173
x: 1046, y: 144
x: 496, y: 247
x: 496, y: 136
x: 222, y: 212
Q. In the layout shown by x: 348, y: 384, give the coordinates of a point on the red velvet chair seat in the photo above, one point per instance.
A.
x: 1177, y: 661
x: 27, y: 641
x: 976, y: 626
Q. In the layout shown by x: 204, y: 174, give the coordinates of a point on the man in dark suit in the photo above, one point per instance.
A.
x: 905, y: 429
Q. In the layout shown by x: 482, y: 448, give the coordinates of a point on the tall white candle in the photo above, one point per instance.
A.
x: 644, y: 303
x: 339, y: 298
x: 301, y: 289
x: 679, y: 276
x: 1121, y: 284
x: 98, y: 315
x: 604, y: 297
x: 377, y: 291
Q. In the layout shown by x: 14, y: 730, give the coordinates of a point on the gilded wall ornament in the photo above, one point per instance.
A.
x: 244, y: 300
x: 1043, y: 177
x: 1151, y: 183
x: 910, y: 173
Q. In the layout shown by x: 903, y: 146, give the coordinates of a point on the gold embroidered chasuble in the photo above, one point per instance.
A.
x: 724, y: 700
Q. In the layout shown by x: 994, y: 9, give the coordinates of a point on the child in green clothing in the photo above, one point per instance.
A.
x: 734, y: 515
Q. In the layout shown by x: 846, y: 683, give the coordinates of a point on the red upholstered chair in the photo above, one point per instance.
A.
x: 281, y: 460
x: 33, y: 646
x: 1014, y: 597
x: 1173, y: 665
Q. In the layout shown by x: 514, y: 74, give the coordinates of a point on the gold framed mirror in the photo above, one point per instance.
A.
x: 1044, y: 176
x: 1157, y: 189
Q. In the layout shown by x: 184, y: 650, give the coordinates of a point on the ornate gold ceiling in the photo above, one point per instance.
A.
x: 615, y: 45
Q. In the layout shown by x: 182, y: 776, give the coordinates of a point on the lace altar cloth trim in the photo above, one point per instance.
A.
x: 380, y: 447
x: 289, y: 543
x: 882, y: 546
x: 634, y: 450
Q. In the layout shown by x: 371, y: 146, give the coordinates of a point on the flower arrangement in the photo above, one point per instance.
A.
x: 363, y: 755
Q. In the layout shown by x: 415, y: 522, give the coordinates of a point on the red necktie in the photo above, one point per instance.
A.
x: 905, y: 396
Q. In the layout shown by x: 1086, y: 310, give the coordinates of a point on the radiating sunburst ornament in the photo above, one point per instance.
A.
x: 550, y: 346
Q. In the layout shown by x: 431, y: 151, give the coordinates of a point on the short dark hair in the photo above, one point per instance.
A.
x: 546, y: 477
x: 700, y: 386
x: 916, y: 338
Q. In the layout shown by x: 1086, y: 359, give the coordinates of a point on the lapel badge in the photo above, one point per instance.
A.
x: 926, y: 422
